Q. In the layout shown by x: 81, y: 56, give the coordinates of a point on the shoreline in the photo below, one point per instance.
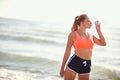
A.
x: 11, y: 74
x: 8, y: 74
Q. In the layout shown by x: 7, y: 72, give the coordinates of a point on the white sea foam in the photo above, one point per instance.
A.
x: 7, y: 74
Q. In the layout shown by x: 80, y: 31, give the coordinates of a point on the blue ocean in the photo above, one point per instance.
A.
x: 34, y: 51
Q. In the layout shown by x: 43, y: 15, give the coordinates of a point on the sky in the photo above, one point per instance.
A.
x: 61, y: 11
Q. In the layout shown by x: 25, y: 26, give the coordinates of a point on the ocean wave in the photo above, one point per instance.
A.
x: 106, y: 72
x: 27, y: 63
x: 21, y: 58
x: 53, y: 34
x: 32, y: 39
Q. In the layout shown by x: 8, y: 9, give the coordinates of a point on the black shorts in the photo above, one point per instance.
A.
x: 79, y: 65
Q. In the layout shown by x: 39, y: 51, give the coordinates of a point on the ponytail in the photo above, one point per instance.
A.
x: 75, y: 24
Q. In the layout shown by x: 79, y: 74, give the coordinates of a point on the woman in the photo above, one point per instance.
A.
x: 83, y: 42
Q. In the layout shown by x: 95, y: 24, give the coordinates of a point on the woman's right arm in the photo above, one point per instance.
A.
x: 67, y: 52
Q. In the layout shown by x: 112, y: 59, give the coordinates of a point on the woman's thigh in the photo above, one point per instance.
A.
x: 84, y: 77
x: 69, y: 75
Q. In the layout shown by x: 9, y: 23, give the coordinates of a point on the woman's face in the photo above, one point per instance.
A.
x: 87, y: 23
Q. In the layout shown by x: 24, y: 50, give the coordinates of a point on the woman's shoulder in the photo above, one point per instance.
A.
x: 72, y: 35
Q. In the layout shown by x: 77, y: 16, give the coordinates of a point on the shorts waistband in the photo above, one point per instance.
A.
x: 82, y: 58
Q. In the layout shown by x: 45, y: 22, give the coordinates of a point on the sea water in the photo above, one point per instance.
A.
x: 34, y: 51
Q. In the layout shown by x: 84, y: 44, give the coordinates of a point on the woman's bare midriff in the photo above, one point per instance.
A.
x: 84, y: 53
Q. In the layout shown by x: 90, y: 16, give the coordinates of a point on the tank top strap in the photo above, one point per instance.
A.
x: 77, y: 35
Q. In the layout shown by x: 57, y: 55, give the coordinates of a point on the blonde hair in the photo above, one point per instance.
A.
x: 77, y: 21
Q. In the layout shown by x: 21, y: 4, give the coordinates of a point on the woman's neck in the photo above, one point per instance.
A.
x: 82, y: 30
x: 83, y: 33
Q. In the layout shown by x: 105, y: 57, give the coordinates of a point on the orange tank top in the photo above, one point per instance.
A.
x: 81, y: 43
